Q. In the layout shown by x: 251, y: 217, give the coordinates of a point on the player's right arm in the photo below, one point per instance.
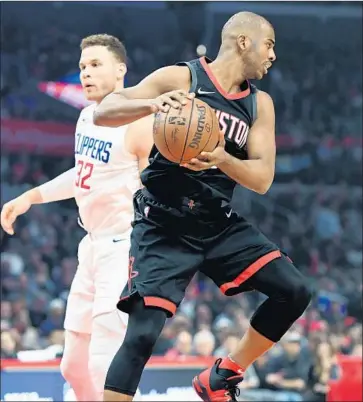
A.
x: 164, y: 88
x: 139, y: 140
x: 60, y: 188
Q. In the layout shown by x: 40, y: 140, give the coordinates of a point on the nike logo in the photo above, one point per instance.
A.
x: 133, y: 274
x: 201, y: 92
x: 228, y: 215
x: 117, y: 240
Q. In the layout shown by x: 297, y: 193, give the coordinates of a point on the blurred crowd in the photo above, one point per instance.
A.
x: 319, y: 228
x: 313, y: 211
x: 308, y: 83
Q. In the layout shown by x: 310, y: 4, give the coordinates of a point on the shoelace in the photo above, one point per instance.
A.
x: 232, y: 390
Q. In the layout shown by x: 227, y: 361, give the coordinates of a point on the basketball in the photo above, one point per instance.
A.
x: 182, y: 134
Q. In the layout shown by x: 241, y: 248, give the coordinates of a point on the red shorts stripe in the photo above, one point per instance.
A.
x: 160, y: 302
x: 250, y: 270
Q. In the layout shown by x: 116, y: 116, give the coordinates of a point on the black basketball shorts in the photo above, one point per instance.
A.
x: 165, y: 255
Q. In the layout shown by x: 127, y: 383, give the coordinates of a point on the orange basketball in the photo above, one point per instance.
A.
x: 182, y: 134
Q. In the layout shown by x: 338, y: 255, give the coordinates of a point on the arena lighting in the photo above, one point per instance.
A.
x: 67, y: 89
x: 71, y: 94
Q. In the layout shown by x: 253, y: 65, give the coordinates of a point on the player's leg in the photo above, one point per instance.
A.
x: 78, y: 323
x: 74, y: 364
x: 144, y: 327
x: 105, y: 342
x: 161, y: 267
x: 288, y: 296
x: 243, y: 259
x: 108, y: 324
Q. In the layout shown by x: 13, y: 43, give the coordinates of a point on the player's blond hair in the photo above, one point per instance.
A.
x: 113, y: 44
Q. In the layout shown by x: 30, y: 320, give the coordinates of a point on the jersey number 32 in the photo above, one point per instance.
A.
x: 84, y: 172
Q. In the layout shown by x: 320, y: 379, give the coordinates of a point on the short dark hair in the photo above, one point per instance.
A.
x: 113, y: 44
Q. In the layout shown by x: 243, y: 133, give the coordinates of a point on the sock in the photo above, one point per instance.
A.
x: 228, y: 368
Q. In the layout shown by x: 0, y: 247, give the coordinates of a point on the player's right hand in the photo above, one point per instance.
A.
x: 174, y: 99
x: 11, y: 210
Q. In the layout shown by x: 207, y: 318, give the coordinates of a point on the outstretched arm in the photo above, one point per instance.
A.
x: 60, y: 188
x: 164, y: 88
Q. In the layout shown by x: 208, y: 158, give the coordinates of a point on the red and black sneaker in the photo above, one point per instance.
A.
x: 219, y: 383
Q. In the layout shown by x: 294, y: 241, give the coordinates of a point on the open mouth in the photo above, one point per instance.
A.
x: 266, y: 66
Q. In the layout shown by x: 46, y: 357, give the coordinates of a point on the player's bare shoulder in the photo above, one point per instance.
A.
x: 265, y: 103
x: 139, y: 136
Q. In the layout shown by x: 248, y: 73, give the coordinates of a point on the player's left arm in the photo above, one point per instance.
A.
x: 139, y: 140
x: 256, y: 173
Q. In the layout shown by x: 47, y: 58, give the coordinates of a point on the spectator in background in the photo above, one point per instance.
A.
x: 289, y: 370
x: 56, y: 342
x: 175, y: 326
x: 249, y: 385
x: 164, y: 343
x: 355, y: 336
x: 203, y: 317
x: 223, y: 329
x: 6, y: 314
x: 182, y: 346
x: 204, y: 343
x: 323, y: 369
x: 55, y: 318
x: 8, y: 345
x: 228, y: 345
x: 262, y: 370
x: 357, y: 350
x: 327, y: 221
x: 31, y: 339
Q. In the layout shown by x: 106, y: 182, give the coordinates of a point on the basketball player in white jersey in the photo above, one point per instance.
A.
x: 105, y: 176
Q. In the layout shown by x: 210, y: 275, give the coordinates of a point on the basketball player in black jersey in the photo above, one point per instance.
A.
x: 183, y: 219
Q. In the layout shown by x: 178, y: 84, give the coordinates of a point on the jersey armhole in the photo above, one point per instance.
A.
x: 193, y: 74
x: 126, y: 152
x: 254, y: 105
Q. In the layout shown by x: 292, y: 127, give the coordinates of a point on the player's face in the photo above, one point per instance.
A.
x: 259, y: 54
x: 100, y: 72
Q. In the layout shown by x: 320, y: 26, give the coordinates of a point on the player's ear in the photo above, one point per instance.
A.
x: 243, y: 42
x: 121, y: 71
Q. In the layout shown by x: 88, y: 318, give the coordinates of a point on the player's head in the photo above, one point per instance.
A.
x: 251, y: 38
x: 102, y: 65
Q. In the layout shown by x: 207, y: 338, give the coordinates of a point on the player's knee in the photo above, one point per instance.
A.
x: 72, y: 369
x: 108, y: 331
x: 69, y: 369
x: 289, y: 286
x: 144, y: 328
x: 64, y: 368
x: 300, y: 295
x: 75, y: 356
x: 143, y: 340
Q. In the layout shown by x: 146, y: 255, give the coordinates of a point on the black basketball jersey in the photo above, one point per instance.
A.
x: 236, y: 113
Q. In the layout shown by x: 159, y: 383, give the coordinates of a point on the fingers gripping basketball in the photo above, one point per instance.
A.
x: 182, y: 134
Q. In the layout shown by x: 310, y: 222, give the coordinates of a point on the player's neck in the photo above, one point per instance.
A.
x: 117, y: 88
x: 228, y: 72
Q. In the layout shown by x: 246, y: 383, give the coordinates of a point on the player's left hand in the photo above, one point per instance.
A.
x: 207, y: 160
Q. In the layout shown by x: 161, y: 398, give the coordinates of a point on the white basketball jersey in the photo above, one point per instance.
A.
x: 107, y: 176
